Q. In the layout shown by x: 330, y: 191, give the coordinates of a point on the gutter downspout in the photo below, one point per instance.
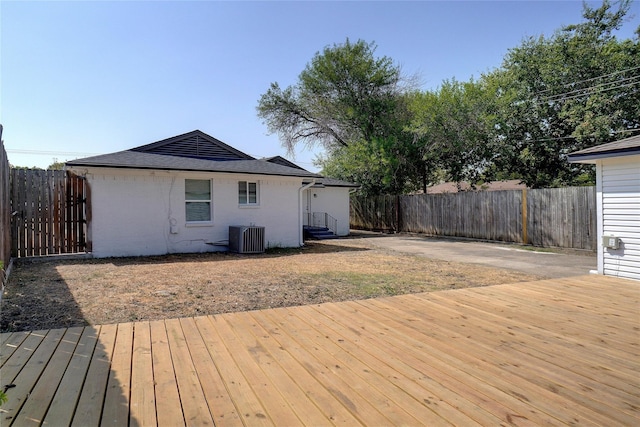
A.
x: 300, y: 220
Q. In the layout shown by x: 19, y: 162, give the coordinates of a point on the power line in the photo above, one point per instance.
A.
x: 581, y: 95
x: 602, y: 87
x: 592, y: 78
x: 562, y: 138
x: 50, y: 153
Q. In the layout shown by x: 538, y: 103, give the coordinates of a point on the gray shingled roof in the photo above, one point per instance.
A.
x: 279, y: 160
x: 135, y: 160
x: 327, y: 182
x: 624, y: 147
x: 330, y: 182
x: 193, y: 151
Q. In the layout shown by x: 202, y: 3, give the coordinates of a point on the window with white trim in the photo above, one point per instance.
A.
x: 197, y: 197
x: 248, y: 193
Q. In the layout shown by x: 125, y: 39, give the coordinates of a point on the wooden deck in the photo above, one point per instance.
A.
x: 553, y: 352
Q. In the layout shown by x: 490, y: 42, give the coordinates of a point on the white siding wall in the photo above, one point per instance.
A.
x: 133, y: 211
x: 619, y: 195
x: 335, y: 202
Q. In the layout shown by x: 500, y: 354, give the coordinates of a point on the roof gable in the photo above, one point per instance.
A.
x: 195, y: 144
x: 279, y: 160
x: 193, y: 151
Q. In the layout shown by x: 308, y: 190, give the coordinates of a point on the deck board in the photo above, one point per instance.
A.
x: 143, y: 399
x: 295, y: 341
x: 274, y: 373
x: 437, y: 361
x: 317, y: 393
x: 89, y: 409
x: 237, y: 385
x: 410, y: 379
x: 461, y: 353
x: 194, y: 404
x: 540, y: 371
x: 554, y: 352
x: 10, y: 343
x: 221, y: 408
x: 40, y: 397
x: 25, y: 381
x: 72, y: 383
x: 115, y: 411
x: 166, y: 388
x: 397, y: 406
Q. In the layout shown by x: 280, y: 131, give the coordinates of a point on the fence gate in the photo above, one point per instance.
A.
x: 48, y: 213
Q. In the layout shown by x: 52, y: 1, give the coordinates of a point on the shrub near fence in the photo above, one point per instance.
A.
x: 556, y: 217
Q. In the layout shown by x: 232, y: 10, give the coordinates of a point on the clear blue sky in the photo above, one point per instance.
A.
x: 82, y: 78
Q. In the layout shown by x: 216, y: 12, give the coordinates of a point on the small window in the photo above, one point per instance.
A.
x: 247, y: 193
x: 197, y: 196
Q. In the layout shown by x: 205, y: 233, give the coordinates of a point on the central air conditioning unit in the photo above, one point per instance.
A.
x: 246, y: 239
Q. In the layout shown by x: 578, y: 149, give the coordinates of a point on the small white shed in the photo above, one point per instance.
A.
x: 618, y: 205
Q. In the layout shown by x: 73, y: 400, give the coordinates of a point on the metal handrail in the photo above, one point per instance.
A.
x: 323, y: 219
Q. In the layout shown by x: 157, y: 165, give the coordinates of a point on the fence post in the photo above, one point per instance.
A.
x: 525, y: 239
x: 398, y: 219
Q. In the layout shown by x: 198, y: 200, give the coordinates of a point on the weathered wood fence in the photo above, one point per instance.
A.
x: 554, y: 217
x: 49, y: 211
x: 5, y: 211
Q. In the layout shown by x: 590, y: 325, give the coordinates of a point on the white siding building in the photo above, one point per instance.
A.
x: 618, y: 205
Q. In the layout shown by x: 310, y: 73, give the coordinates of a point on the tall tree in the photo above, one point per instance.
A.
x: 351, y: 103
x: 345, y: 94
x: 571, y: 91
x: 451, y: 126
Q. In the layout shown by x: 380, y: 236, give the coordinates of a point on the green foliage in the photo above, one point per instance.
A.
x: 3, y: 397
x: 350, y: 102
x: 551, y: 96
x: 56, y: 165
x: 576, y: 89
x: 378, y: 165
x: 25, y: 167
x: 344, y: 94
x: 451, y: 127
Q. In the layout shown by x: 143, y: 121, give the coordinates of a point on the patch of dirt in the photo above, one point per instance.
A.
x: 62, y: 293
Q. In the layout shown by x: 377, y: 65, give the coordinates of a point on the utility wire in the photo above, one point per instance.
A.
x: 562, y: 97
x: 562, y: 138
x: 49, y: 153
x: 592, y: 78
x: 613, y: 85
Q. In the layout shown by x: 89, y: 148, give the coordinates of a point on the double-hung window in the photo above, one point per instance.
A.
x: 248, y: 193
x: 197, y: 196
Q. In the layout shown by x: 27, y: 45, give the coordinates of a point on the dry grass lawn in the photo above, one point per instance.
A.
x: 63, y: 293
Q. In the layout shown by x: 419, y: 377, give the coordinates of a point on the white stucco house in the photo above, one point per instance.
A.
x: 618, y: 205
x: 182, y: 195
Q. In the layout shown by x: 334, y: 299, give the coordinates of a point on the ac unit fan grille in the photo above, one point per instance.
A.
x: 246, y: 239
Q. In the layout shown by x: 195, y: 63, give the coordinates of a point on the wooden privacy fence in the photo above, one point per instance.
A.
x: 49, y: 212
x: 5, y: 211
x: 554, y: 217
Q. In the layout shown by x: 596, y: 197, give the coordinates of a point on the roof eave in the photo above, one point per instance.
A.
x: 89, y: 165
x: 592, y: 157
